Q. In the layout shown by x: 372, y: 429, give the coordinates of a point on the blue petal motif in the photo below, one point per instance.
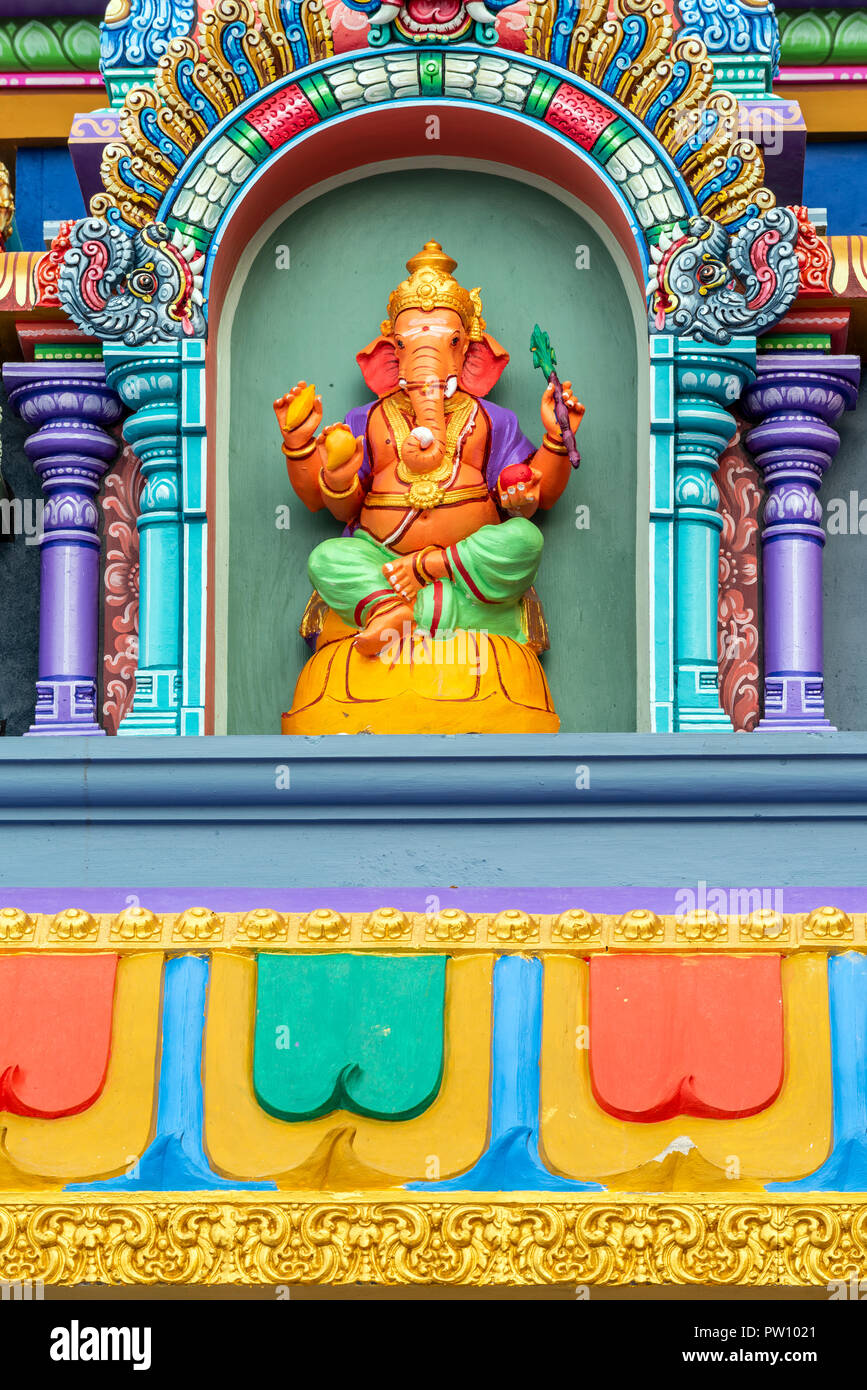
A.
x: 845, y: 1169
x: 511, y: 1162
x: 175, y: 1161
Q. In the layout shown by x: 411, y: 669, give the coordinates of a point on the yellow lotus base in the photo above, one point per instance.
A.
x: 472, y: 683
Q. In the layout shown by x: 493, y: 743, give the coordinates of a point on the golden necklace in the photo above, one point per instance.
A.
x: 424, y: 492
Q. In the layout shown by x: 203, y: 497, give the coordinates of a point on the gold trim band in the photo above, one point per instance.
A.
x: 174, y: 1238
x: 554, y: 446
x: 477, y: 493
x: 389, y: 928
x: 304, y: 453
x: 338, y: 496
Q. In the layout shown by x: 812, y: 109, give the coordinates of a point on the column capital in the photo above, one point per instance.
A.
x: 809, y: 383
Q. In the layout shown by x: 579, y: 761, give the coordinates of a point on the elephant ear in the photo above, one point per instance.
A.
x: 378, y: 363
x: 483, y: 366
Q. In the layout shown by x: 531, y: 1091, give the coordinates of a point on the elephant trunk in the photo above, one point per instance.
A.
x: 426, y: 384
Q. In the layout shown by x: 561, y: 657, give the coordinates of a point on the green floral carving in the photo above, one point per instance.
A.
x: 49, y: 45
x: 812, y: 38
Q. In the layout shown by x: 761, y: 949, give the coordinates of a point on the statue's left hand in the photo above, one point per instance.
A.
x: 574, y: 407
x: 298, y: 430
x: 521, y: 499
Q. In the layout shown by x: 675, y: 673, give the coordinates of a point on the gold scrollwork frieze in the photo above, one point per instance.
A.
x: 390, y: 929
x: 178, y: 1238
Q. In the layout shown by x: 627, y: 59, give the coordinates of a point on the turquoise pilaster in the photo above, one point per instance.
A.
x: 164, y: 388
x: 661, y: 549
x: 696, y: 385
x: 148, y: 380
x: 194, y: 612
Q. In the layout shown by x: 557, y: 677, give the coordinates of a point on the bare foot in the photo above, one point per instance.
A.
x: 382, y: 626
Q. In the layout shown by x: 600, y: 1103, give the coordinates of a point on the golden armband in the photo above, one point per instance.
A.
x: 337, y: 496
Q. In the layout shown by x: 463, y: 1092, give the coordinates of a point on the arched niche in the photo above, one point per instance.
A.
x: 539, y: 255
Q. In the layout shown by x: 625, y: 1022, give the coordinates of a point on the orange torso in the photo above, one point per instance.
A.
x: 443, y: 524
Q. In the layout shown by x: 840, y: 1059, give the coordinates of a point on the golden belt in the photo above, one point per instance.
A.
x: 436, y: 495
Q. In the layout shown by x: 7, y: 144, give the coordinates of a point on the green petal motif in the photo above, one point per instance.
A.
x: 812, y: 38
x: 49, y: 45
x: 348, y: 1032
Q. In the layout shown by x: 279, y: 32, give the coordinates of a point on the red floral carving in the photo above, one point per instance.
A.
x: 283, y: 115
x: 814, y: 256
x: 48, y: 268
x: 120, y: 506
x: 578, y: 115
x: 737, y: 614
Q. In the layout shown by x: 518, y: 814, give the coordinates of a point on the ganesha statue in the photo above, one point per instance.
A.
x: 423, y: 617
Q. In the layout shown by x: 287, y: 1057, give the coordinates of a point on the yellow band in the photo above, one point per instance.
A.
x: 450, y: 495
x: 418, y: 563
x: 300, y: 453
x: 329, y: 492
x: 552, y: 446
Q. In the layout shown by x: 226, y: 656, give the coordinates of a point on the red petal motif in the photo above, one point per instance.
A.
x: 55, y: 1032
x: 685, y: 1035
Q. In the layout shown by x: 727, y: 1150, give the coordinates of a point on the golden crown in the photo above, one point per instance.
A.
x: 431, y: 285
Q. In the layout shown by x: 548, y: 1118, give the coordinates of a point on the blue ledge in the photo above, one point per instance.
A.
x: 562, y: 809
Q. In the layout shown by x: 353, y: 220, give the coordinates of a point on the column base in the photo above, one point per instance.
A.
x: 161, y: 723
x: 698, y: 719
x: 794, y: 704
x: 156, y: 708
x: 697, y: 705
x: 794, y: 726
x: 52, y: 730
x: 65, y: 706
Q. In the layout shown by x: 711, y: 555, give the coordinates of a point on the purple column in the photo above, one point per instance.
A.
x: 797, y: 398
x: 69, y: 406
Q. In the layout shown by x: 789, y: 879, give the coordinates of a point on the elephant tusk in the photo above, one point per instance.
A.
x: 479, y: 11
x: 385, y: 14
x: 450, y: 387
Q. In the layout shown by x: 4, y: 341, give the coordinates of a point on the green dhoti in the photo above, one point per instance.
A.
x: 490, y: 571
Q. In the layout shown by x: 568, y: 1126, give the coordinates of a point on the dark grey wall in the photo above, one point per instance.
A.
x: 19, y: 587
x: 846, y: 579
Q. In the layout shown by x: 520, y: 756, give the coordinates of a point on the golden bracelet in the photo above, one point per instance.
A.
x: 301, y: 453
x: 418, y: 564
x: 552, y: 446
x: 329, y: 492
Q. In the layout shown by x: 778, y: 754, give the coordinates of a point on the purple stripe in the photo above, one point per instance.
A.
x: 661, y: 900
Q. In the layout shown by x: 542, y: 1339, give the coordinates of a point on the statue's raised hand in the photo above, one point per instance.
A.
x: 549, y: 418
x: 518, y: 489
x: 299, y: 415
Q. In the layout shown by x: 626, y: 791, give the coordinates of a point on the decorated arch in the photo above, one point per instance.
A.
x: 255, y: 103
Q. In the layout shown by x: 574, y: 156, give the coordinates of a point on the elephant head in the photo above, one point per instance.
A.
x: 135, y: 287
x: 432, y: 344
x: 710, y: 285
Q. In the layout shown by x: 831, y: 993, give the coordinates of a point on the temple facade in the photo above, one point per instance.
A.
x: 510, y: 811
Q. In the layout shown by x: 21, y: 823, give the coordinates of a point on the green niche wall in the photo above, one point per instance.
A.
x: 341, y: 255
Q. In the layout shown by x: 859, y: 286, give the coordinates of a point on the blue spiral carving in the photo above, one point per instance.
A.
x: 140, y: 40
